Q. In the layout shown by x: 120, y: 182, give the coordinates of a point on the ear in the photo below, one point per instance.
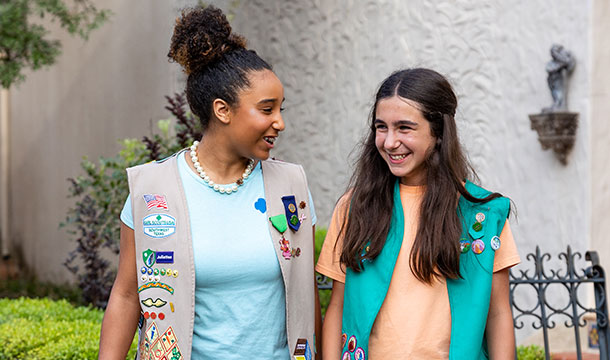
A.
x: 222, y: 111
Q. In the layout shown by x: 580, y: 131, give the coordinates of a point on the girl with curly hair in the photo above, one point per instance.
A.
x: 216, y: 256
x: 419, y: 254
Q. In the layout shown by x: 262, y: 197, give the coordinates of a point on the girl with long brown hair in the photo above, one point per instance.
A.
x: 419, y: 254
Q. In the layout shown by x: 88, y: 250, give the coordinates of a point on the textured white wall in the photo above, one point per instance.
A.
x: 331, y: 56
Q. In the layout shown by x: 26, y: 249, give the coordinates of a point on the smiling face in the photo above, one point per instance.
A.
x: 255, y: 122
x: 403, y: 138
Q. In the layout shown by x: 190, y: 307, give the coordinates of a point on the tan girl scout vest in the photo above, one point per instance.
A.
x: 164, y: 256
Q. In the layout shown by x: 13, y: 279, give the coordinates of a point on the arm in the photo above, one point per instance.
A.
x: 318, y: 315
x: 331, y: 330
x: 123, y: 311
x: 499, y: 330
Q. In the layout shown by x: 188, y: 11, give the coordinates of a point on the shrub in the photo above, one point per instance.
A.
x: 45, y: 329
x: 532, y: 352
x: 101, y: 192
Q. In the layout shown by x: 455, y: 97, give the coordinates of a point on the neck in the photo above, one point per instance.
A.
x: 220, y: 163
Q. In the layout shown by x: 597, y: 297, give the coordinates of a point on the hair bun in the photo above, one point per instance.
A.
x: 202, y: 36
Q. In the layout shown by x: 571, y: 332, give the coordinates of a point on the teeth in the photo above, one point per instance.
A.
x: 269, y: 139
x: 398, y: 157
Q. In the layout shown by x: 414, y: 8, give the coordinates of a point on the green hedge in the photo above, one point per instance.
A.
x: 46, y: 329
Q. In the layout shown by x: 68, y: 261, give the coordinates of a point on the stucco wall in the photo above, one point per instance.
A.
x: 331, y: 56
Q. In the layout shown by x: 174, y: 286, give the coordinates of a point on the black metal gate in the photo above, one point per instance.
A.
x: 544, y: 312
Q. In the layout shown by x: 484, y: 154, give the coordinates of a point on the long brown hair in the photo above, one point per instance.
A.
x: 436, y: 249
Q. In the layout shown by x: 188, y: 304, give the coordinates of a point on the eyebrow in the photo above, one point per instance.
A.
x: 399, y: 122
x: 264, y: 101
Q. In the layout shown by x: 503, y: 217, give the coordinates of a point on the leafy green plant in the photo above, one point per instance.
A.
x: 24, y: 43
x: 44, y: 329
x: 101, y: 192
x: 28, y: 286
x: 531, y: 352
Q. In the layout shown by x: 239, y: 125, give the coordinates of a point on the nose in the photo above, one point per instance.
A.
x: 391, y: 141
x: 278, y: 123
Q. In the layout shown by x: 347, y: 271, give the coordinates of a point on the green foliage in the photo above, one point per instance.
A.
x: 324, y: 294
x: 532, y: 352
x: 45, y: 329
x: 24, y: 44
x: 31, y: 287
x: 101, y: 192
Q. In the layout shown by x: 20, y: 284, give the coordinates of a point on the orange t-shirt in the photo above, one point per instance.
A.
x: 414, y: 321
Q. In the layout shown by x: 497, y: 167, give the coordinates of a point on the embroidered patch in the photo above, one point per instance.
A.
x: 156, y: 284
x: 478, y: 246
x: 292, y: 215
x: 480, y: 217
x: 165, y: 257
x: 155, y: 201
x: 346, y: 356
x: 296, y: 252
x: 351, y: 344
x: 279, y: 223
x: 302, y: 218
x: 156, y: 303
x: 495, y: 243
x: 302, y: 205
x: 464, y: 245
x: 301, y: 350
x: 261, y: 205
x: 159, y: 225
x: 359, y: 354
x: 285, y: 248
x: 152, y: 333
x: 343, y: 339
x: 149, y: 258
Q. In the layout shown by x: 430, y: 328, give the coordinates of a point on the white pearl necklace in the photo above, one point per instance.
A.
x: 223, y: 189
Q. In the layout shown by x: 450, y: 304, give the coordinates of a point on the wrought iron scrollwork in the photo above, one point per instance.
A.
x: 324, y: 282
x: 544, y: 312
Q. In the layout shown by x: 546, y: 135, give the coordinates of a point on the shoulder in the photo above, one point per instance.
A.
x: 501, y: 204
x: 272, y: 167
x: 157, y: 165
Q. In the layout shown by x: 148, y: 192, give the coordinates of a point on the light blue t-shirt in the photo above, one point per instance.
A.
x: 239, y: 291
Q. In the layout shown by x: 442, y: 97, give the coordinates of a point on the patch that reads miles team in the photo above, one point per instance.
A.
x: 302, y: 351
x: 159, y: 225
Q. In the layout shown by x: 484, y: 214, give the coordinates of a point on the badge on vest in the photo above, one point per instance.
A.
x: 155, y: 346
x: 159, y: 225
x: 292, y: 214
x: 154, y: 201
x: 301, y: 350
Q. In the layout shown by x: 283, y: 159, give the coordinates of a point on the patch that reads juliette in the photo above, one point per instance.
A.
x: 165, y: 257
x: 159, y: 225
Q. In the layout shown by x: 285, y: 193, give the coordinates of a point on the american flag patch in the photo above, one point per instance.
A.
x: 155, y: 202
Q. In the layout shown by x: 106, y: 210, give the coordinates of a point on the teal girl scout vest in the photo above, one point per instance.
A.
x: 166, y: 270
x: 469, y: 296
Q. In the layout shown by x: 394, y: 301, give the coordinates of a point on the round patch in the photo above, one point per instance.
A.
x: 477, y: 227
x: 161, y: 316
x: 150, y: 271
x: 146, y: 315
x: 464, y: 245
x: 302, y: 204
x: 175, y: 274
x: 153, y: 315
x: 292, y: 208
x: 162, y: 272
x: 144, y: 277
x: 156, y: 271
x: 169, y: 272
x: 351, y: 344
x: 495, y: 243
x: 151, y: 278
x: 359, y: 354
x: 343, y: 340
x: 157, y: 278
x: 478, y: 246
x: 346, y: 356
x: 143, y: 270
x: 480, y: 217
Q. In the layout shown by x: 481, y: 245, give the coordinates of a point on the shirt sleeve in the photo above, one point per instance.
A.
x: 312, y: 209
x: 127, y: 213
x: 506, y: 256
x: 329, y: 263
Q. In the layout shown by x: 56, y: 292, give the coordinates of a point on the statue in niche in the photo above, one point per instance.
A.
x: 559, y: 68
x: 555, y: 125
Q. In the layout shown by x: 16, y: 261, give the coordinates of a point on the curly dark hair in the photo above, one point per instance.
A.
x: 214, y: 58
